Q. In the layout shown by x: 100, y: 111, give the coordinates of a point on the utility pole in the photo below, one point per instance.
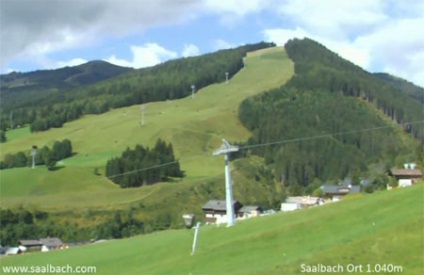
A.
x: 33, y: 154
x: 226, y: 149
x: 143, y: 108
x: 193, y: 90
x: 11, y: 120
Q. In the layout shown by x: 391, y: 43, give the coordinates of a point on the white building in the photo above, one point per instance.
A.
x: 295, y: 203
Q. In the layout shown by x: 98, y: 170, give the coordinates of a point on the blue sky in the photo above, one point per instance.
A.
x: 378, y: 35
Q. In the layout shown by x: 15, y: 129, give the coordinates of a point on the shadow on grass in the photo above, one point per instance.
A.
x: 55, y: 168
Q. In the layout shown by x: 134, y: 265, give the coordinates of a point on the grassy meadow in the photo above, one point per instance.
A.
x: 380, y: 230
x: 195, y: 126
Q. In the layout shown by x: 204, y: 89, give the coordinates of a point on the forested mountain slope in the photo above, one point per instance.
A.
x: 331, y: 120
x: 22, y: 89
x: 67, y: 77
x: 403, y: 85
x: 167, y: 81
x: 320, y: 69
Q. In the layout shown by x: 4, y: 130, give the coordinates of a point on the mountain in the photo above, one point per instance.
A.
x: 63, y: 78
x: 20, y: 90
x: 331, y: 120
x: 170, y: 80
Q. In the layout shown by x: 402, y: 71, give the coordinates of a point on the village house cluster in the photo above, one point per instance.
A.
x: 215, y: 210
x: 43, y: 245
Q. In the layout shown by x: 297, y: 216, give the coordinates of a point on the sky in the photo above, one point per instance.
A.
x: 378, y: 35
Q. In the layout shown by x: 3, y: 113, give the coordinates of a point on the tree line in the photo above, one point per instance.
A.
x: 2, y: 136
x: 44, y: 156
x: 23, y: 224
x: 128, y: 170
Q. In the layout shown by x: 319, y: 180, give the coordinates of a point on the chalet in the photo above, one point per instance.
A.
x: 43, y: 245
x: 250, y: 211
x: 407, y: 176
x: 216, y: 211
x: 294, y: 203
x: 30, y: 245
x: 51, y: 244
x: 336, y: 192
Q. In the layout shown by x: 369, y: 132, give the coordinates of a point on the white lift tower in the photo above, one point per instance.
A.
x: 226, y: 149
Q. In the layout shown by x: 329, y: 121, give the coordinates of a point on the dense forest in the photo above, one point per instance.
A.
x: 406, y: 86
x: 167, y: 81
x: 322, y: 125
x: 44, y: 156
x: 129, y: 169
x: 317, y: 68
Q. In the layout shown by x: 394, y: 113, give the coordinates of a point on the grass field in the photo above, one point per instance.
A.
x: 376, y: 231
x: 17, y: 133
x: 194, y: 126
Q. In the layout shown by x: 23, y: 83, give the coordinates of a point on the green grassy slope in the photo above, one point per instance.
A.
x: 194, y: 126
x: 381, y: 229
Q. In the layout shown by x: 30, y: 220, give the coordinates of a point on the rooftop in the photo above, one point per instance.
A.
x: 406, y: 172
x: 303, y: 200
x: 30, y: 243
x: 219, y: 205
x: 51, y: 242
x: 341, y: 189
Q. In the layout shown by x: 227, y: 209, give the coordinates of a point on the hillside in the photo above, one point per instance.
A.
x: 194, y: 126
x: 296, y: 133
x: 382, y: 232
x: 16, y: 87
x: 167, y: 81
x: 88, y: 73
x: 330, y: 121
x: 317, y: 68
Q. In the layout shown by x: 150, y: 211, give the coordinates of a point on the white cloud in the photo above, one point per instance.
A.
x: 376, y: 35
x: 149, y: 54
x: 7, y: 71
x: 281, y: 36
x: 36, y: 28
x: 232, y: 12
x: 220, y: 44
x: 235, y: 7
x: 347, y: 50
x: 398, y: 47
x: 71, y: 63
x: 190, y: 50
x: 332, y: 18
